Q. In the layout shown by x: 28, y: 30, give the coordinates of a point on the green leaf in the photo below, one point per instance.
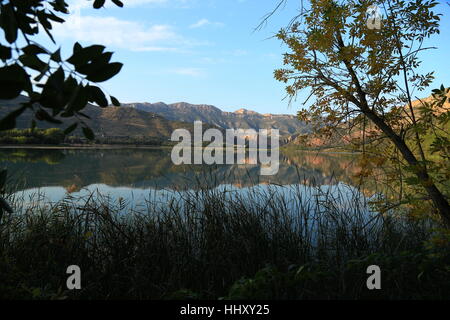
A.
x: 13, y: 80
x: 412, y: 181
x: 88, y: 133
x: 114, y: 101
x: 105, y: 72
x: 96, y: 95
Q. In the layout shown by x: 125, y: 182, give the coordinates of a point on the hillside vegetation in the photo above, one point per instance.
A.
x: 106, y: 122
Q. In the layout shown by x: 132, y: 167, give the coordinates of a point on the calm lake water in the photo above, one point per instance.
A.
x: 138, y: 174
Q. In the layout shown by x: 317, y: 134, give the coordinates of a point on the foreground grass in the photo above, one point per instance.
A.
x: 269, y: 243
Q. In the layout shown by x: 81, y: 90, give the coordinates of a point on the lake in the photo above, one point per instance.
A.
x: 136, y: 174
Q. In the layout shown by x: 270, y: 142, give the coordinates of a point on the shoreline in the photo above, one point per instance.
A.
x: 81, y: 146
x: 147, y: 147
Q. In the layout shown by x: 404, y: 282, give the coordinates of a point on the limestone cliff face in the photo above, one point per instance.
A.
x: 288, y: 125
x: 160, y: 119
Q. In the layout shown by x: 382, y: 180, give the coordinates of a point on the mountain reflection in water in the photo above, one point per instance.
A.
x: 137, y: 174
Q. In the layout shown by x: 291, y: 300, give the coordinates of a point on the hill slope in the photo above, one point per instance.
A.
x: 158, y: 120
x: 110, y: 121
x: 288, y: 125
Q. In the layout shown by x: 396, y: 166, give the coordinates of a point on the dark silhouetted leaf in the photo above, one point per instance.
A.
x: 13, y: 80
x: 55, y: 18
x: 95, y: 63
x: 43, y: 115
x: 56, y: 56
x: 96, y: 95
x: 88, y: 133
x: 82, y: 56
x: 9, y: 122
x: 105, y: 72
x: 42, y: 74
x: 118, y: 3
x: 52, y: 94
x: 34, y: 49
x: 5, y: 52
x: 98, y: 4
x: 114, y: 101
x: 77, y: 47
x: 43, y: 20
x: 79, y: 100
x: 32, y: 62
x: 9, y: 23
x: 71, y: 128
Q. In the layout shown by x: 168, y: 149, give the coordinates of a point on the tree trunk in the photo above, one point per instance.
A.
x: 439, y: 200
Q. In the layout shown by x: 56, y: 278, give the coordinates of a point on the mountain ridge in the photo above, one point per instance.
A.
x: 243, y: 118
x: 160, y: 119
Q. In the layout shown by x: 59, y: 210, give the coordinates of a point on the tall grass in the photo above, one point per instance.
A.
x: 262, y: 242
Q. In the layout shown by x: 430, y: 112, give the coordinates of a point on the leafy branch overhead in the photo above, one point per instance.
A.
x: 55, y: 87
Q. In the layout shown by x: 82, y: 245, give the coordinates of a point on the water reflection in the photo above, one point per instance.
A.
x: 134, y: 174
x: 152, y: 168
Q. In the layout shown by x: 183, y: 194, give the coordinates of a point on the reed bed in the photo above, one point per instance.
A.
x: 265, y: 242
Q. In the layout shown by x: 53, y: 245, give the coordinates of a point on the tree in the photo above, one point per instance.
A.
x: 61, y: 88
x: 357, y: 73
x: 55, y: 87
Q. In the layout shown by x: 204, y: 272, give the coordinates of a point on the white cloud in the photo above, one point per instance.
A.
x: 115, y: 32
x: 205, y: 22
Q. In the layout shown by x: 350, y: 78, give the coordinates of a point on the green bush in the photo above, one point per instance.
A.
x: 32, y: 136
x: 415, y: 274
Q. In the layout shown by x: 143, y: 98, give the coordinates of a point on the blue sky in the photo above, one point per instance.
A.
x: 201, y: 51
